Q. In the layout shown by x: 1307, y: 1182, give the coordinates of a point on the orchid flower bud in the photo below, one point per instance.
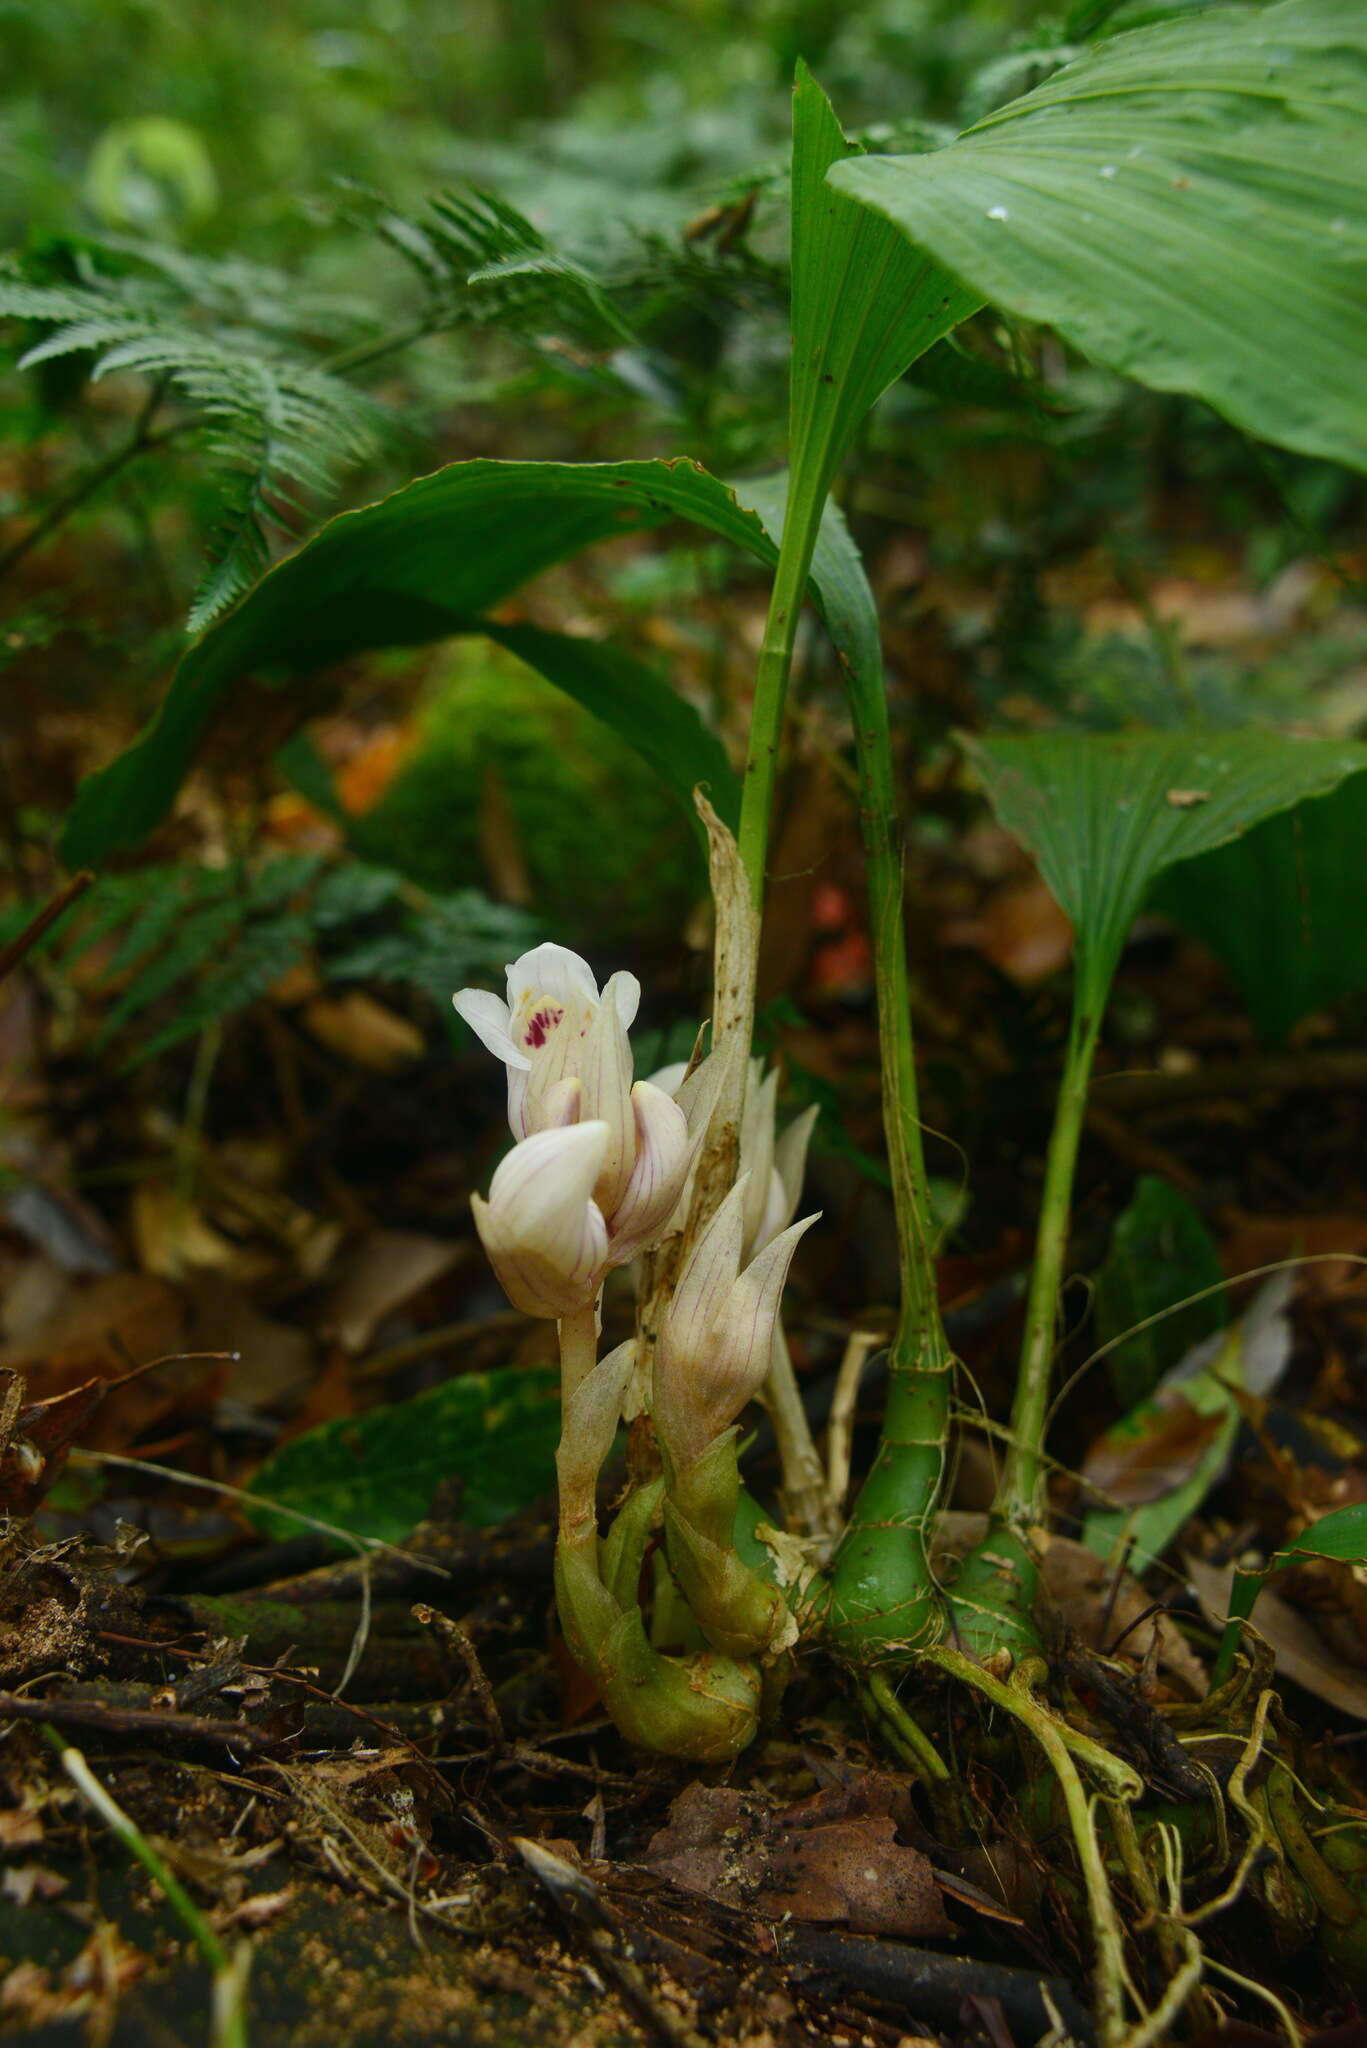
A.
x: 776, y: 1166
x: 664, y: 1155
x: 717, y: 1336
x: 785, y: 1180
x: 544, y: 1233
x: 757, y: 1149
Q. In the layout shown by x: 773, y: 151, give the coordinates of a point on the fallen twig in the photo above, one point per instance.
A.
x: 13, y: 953
x: 133, y: 1721
x: 459, y: 1639
x: 577, y: 1899
x: 933, y: 1986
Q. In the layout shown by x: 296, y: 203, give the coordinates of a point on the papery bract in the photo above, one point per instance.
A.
x: 775, y: 1165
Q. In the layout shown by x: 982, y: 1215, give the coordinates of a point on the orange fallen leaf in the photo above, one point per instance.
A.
x: 363, y: 780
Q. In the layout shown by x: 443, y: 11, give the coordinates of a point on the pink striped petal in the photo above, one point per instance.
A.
x: 603, y: 1063
x: 545, y: 1237
x: 664, y: 1158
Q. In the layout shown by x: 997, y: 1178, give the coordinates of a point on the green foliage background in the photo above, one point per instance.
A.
x: 296, y: 267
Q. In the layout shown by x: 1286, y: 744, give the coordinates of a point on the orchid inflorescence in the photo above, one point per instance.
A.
x: 601, y: 1173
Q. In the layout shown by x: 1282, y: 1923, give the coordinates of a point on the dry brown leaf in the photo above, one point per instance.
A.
x: 25, y: 1882
x: 1301, y: 1652
x: 1080, y: 1586
x: 359, y: 1029
x: 834, y: 1858
x: 104, y: 1328
x: 1020, y: 928
x: 1131, y: 1469
x: 1263, y: 1240
x: 275, y: 1360
x: 171, y: 1235
x: 381, y: 1271
x: 296, y: 985
x: 36, y: 1292
x: 20, y: 1827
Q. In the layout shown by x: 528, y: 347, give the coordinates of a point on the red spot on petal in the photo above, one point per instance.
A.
x: 541, y: 1024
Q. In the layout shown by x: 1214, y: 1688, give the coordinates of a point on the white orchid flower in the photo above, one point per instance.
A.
x: 569, y: 1065
x: 554, y: 1027
x: 717, y: 1335
x: 775, y: 1165
x: 543, y: 1230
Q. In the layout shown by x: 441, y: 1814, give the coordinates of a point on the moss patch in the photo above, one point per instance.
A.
x: 606, y: 848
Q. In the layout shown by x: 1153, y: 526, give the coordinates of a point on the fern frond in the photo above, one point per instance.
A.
x: 262, y: 955
x: 201, y: 944
x: 448, y: 941
x: 147, y: 916
x: 276, y: 426
x: 196, y: 940
x: 97, y: 331
x: 20, y: 300
x: 355, y: 893
x: 517, y: 277
x: 288, y: 428
x: 234, y: 290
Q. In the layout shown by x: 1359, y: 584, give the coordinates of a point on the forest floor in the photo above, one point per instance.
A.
x: 382, y: 1772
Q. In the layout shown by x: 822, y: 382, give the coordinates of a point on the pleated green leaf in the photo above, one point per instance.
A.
x: 1341, y: 1536
x: 428, y: 562
x: 422, y: 564
x: 1105, y: 815
x: 1186, y: 203
x: 865, y: 303
x: 1275, y: 907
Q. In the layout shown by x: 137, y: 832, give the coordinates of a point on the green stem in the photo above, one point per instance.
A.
x: 578, y: 1348
x: 1018, y: 1495
x: 801, y: 524
x: 1062, y: 1746
x: 994, y: 1590
x: 229, y: 1970
x: 366, y: 352
x: 885, y: 1597
x: 1243, y: 1593
x: 914, y: 1741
